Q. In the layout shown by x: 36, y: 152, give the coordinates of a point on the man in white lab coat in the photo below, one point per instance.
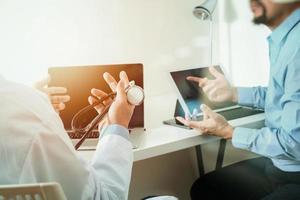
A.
x: 58, y: 97
x: 34, y: 147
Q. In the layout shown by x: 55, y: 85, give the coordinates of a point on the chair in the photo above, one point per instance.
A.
x: 39, y: 191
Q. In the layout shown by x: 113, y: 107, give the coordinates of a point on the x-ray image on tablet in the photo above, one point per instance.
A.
x: 191, y: 96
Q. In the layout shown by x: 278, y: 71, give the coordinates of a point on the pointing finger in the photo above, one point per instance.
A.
x: 201, y: 81
x: 193, y: 78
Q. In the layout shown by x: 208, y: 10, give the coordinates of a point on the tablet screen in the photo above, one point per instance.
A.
x: 190, y: 94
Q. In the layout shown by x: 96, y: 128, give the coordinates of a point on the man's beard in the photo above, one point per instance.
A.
x: 263, y: 19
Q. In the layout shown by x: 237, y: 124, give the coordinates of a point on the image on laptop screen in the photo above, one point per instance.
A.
x: 80, y: 80
x: 190, y: 94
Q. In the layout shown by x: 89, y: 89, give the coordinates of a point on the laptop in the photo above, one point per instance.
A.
x: 191, y: 96
x: 79, y: 80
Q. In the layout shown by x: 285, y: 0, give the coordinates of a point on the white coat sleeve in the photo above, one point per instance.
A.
x: 35, y: 148
x: 106, y: 177
x: 112, y: 164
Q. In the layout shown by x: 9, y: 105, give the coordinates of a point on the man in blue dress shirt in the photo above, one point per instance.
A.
x: 276, y: 175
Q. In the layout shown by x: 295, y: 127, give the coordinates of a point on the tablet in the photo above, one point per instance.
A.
x: 191, y: 96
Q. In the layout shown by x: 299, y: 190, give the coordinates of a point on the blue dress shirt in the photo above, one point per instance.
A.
x: 280, y: 138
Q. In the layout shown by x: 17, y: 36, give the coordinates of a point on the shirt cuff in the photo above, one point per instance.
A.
x: 115, y: 129
x: 245, y: 96
x: 243, y: 137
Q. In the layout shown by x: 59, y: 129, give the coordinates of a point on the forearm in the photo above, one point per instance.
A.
x: 272, y: 143
x: 112, y: 163
x: 252, y: 96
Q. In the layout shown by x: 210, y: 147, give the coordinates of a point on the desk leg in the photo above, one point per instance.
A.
x: 221, y: 153
x: 200, y: 160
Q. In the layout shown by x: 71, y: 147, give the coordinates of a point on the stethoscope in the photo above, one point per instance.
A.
x: 135, y: 96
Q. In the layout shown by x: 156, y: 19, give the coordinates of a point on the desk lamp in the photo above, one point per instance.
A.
x: 204, y: 12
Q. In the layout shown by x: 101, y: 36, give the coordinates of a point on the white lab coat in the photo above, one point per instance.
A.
x: 34, y: 147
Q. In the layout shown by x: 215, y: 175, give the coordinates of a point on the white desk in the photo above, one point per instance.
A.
x: 162, y: 139
x: 166, y: 139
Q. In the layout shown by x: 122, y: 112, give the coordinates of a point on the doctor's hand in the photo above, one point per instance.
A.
x: 120, y: 111
x: 218, y: 89
x: 212, y: 124
x: 57, y: 95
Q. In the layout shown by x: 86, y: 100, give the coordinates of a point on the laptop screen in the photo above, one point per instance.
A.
x: 190, y: 94
x: 81, y: 79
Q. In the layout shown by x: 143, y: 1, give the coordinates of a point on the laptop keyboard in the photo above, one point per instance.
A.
x: 94, y: 134
x: 239, y: 113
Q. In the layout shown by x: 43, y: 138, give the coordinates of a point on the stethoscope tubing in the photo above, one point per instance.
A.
x: 86, y: 109
x: 87, y: 129
x: 92, y: 125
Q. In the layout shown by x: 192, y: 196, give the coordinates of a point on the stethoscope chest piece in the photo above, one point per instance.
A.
x: 135, y: 94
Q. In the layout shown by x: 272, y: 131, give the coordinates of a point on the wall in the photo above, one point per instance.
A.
x: 162, y: 34
x: 243, y: 46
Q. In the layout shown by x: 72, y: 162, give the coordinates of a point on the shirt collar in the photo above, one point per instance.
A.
x: 285, y: 27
